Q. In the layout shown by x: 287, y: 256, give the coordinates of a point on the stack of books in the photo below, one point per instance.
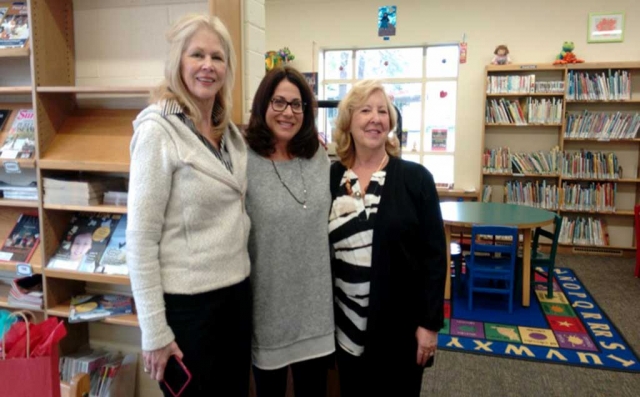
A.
x: 26, y: 292
x: 78, y: 191
x: 116, y: 198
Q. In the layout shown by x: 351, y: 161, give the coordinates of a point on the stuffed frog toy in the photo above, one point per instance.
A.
x: 567, y: 55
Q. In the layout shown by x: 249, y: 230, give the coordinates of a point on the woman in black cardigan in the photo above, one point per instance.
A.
x: 389, y: 261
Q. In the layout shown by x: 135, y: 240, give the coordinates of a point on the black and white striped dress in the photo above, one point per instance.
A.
x: 351, y: 235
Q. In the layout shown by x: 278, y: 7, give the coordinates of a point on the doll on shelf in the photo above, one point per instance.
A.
x: 501, y: 55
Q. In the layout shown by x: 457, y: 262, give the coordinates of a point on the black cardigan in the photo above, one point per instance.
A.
x: 408, y: 268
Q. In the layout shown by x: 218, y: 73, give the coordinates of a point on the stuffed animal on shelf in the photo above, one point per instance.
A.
x: 501, y: 55
x: 567, y: 55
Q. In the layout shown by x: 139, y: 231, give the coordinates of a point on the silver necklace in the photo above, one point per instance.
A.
x: 303, y: 203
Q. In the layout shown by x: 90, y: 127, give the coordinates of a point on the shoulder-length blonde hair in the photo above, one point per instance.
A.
x: 178, y: 37
x: 355, y: 98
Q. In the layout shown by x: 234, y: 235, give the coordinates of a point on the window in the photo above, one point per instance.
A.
x: 422, y: 83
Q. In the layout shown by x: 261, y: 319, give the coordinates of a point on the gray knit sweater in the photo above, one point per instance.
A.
x: 289, y: 251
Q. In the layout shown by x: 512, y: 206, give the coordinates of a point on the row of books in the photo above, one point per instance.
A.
x: 598, y: 197
x: 514, y: 84
x: 80, y: 190
x: 536, y: 194
x: 549, y: 87
x: 592, y: 86
x: 522, y: 84
x: 94, y: 243
x: 524, y: 112
x: 502, y: 161
x: 587, y: 164
x: 110, y: 373
x: 14, y: 25
x: 583, y: 231
x: 581, y: 164
x: 20, y: 141
x: 602, y: 125
x: 594, y: 197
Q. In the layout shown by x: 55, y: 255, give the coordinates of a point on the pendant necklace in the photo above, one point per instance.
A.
x: 347, y: 183
x: 303, y: 202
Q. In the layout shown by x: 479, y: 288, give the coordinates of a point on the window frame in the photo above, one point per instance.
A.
x: 424, y: 80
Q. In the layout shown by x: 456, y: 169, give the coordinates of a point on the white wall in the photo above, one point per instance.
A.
x: 534, y: 32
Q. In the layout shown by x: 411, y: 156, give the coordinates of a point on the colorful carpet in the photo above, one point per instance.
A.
x: 568, y: 329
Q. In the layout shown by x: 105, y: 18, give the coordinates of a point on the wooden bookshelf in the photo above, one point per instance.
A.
x: 89, y: 277
x: 16, y: 52
x: 109, y: 209
x: 527, y: 140
x: 18, y: 203
x: 96, y: 90
x: 22, y: 163
x: 91, y: 140
x: 17, y: 90
x: 521, y: 125
x: 617, y: 212
x: 35, y: 261
x: 63, y: 310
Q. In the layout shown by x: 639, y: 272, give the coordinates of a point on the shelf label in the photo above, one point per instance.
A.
x: 12, y: 167
x: 24, y: 269
x: 529, y: 67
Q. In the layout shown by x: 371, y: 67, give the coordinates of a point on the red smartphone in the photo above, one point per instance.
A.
x: 176, y: 376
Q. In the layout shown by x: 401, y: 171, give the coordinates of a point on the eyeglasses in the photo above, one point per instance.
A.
x: 280, y: 105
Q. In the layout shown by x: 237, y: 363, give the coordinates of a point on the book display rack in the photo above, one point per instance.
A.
x: 567, y: 139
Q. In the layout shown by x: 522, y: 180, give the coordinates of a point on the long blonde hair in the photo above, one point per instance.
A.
x: 356, y: 97
x: 173, y: 87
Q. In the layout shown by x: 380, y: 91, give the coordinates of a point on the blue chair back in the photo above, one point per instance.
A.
x: 491, y: 266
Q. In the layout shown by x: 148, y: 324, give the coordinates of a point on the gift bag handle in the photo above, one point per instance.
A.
x: 23, y: 314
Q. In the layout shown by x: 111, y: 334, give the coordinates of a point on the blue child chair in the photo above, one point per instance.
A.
x: 491, y: 266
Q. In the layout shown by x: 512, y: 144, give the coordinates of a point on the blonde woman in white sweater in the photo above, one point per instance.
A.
x: 187, y: 228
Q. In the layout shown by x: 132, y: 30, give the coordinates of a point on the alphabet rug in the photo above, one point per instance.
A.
x: 568, y: 329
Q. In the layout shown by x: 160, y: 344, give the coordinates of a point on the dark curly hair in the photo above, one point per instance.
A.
x: 260, y: 137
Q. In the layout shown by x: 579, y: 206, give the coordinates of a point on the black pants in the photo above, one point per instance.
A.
x: 360, y: 377
x: 213, y: 330
x: 309, y: 379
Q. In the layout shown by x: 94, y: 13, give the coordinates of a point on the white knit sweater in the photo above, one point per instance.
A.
x: 187, y: 227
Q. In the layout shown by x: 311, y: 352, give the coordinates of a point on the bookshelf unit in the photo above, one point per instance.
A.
x: 544, y: 137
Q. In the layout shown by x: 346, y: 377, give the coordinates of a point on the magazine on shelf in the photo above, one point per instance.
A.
x: 20, y: 141
x: 114, y: 259
x: 14, y: 26
x: 98, y: 307
x: 22, y: 240
x: 26, y: 292
x: 84, y: 242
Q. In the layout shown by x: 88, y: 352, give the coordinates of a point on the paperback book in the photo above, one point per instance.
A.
x: 4, y: 115
x: 84, y: 242
x: 22, y: 240
x: 114, y: 259
x: 98, y: 307
x: 20, y: 141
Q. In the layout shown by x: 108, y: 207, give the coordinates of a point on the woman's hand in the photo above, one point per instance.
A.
x: 427, y: 343
x: 155, y: 361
